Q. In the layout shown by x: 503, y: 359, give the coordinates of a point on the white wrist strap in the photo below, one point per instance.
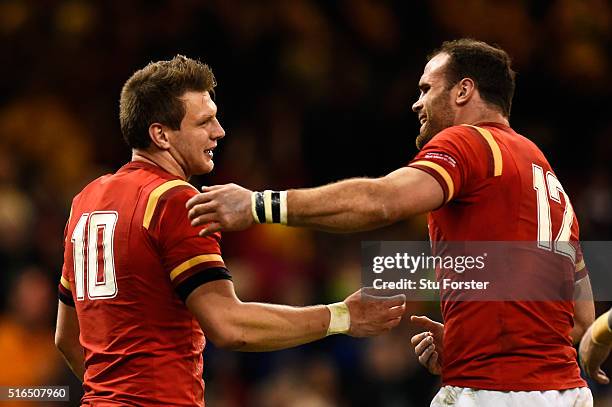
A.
x: 340, y: 318
x: 283, y: 207
x: 269, y: 206
x: 254, y: 206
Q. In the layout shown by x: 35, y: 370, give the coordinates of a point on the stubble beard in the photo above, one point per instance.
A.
x: 443, y: 118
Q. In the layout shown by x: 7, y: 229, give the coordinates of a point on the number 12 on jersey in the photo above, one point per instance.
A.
x: 555, y: 189
x: 99, y: 228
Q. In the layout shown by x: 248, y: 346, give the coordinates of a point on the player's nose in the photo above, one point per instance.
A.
x: 218, y: 132
x: 418, y: 105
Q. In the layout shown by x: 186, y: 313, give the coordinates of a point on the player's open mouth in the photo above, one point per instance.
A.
x: 209, y: 152
x: 423, y: 120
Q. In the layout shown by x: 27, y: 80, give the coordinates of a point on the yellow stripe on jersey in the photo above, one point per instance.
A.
x: 186, y: 265
x: 443, y: 173
x: 154, y: 197
x: 65, y: 283
x: 497, y: 156
x: 580, y: 266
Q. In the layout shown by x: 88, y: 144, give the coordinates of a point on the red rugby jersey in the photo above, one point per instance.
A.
x: 131, y: 257
x: 498, y: 186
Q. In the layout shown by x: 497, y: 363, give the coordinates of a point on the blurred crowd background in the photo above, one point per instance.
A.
x: 309, y: 92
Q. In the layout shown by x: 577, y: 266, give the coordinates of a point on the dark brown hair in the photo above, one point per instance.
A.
x: 488, y: 66
x: 152, y: 95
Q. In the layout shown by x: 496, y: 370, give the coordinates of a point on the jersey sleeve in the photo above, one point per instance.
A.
x: 458, y: 157
x: 64, y: 292
x: 190, y: 260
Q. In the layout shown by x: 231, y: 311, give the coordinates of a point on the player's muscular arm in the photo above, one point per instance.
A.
x: 584, y: 308
x: 346, y: 206
x: 67, y: 339
x: 363, y: 204
x: 248, y: 326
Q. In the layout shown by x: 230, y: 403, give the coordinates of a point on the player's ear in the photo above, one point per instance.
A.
x: 158, y: 135
x: 465, y: 91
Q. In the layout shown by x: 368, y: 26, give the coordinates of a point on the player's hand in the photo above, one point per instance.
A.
x: 371, y: 315
x: 221, y: 207
x: 592, y: 356
x: 428, y: 345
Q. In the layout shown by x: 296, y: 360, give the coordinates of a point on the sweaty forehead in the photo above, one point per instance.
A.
x: 434, y: 69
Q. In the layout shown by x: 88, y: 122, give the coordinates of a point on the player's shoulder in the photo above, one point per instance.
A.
x: 90, y: 188
x: 527, y: 143
x: 166, y: 205
x: 473, y: 146
x: 169, y: 194
x: 462, y: 130
x: 458, y: 136
x: 463, y: 141
x: 171, y: 191
x: 155, y: 184
x: 515, y: 142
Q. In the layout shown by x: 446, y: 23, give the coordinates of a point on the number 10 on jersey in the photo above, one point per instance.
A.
x: 98, y: 230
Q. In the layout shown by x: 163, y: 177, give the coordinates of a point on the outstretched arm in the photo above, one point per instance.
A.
x: 256, y: 327
x: 346, y: 206
x: 364, y: 204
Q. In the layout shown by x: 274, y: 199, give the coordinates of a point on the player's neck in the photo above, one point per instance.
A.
x: 161, y: 159
x: 481, y: 115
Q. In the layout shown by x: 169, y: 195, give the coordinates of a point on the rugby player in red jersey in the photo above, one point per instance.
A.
x: 480, y: 181
x: 140, y: 290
